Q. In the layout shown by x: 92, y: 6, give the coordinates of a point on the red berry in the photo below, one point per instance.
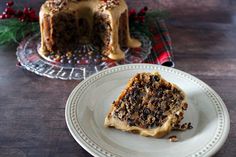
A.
x: 142, y: 11
x: 32, y: 14
x: 141, y: 19
x: 86, y: 61
x: 19, y: 13
x: 25, y: 11
x: 35, y: 18
x: 132, y: 12
x: 31, y: 11
x: 7, y: 16
x: 9, y: 11
x: 57, y: 59
x: 2, y: 16
x: 145, y: 8
x: 10, y: 3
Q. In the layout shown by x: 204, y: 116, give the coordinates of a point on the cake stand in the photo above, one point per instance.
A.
x: 29, y: 58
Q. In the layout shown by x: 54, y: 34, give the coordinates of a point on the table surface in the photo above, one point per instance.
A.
x: 32, y: 121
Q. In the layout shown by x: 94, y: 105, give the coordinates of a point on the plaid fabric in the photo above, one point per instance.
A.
x: 162, y: 45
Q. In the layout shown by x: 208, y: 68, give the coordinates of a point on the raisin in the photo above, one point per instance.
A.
x: 181, y: 97
x: 143, y: 117
x: 153, y: 125
x: 167, y: 107
x: 164, y: 117
x: 131, y: 122
x: 159, y: 92
x: 156, y: 78
x: 175, y: 91
x: 146, y: 111
x: 177, y: 126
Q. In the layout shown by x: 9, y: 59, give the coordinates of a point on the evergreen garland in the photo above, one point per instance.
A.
x: 16, y: 24
x: 13, y: 30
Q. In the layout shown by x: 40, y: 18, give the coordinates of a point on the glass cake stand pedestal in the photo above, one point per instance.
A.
x: 29, y: 58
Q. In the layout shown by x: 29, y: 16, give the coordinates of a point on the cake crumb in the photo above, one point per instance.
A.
x: 173, y: 138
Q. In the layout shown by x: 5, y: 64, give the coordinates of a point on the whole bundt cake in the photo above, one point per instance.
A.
x: 65, y: 24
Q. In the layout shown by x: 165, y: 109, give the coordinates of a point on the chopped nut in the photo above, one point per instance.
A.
x: 109, y: 4
x: 150, y: 119
x: 121, y: 114
x: 185, y: 106
x: 186, y: 126
x: 181, y: 114
x: 173, y: 138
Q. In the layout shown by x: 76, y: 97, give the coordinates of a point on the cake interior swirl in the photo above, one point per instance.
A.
x: 149, y: 106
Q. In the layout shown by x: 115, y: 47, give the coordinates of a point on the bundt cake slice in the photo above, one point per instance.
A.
x: 149, y: 105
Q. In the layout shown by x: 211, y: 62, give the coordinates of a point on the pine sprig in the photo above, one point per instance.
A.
x: 13, y: 30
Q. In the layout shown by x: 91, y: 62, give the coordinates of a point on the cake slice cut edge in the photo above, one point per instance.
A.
x: 149, y: 105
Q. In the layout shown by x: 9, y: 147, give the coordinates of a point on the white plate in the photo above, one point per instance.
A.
x: 90, y: 100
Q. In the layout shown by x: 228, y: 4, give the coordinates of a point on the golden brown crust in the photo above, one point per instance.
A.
x: 170, y: 113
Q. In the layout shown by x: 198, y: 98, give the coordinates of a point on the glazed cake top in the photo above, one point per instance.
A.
x: 56, y: 5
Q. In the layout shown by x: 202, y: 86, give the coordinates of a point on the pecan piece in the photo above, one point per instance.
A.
x: 173, y: 138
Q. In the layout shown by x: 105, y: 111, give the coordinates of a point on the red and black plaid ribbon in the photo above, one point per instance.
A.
x: 162, y: 45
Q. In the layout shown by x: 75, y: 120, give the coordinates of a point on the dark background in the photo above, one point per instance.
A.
x: 32, y: 121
